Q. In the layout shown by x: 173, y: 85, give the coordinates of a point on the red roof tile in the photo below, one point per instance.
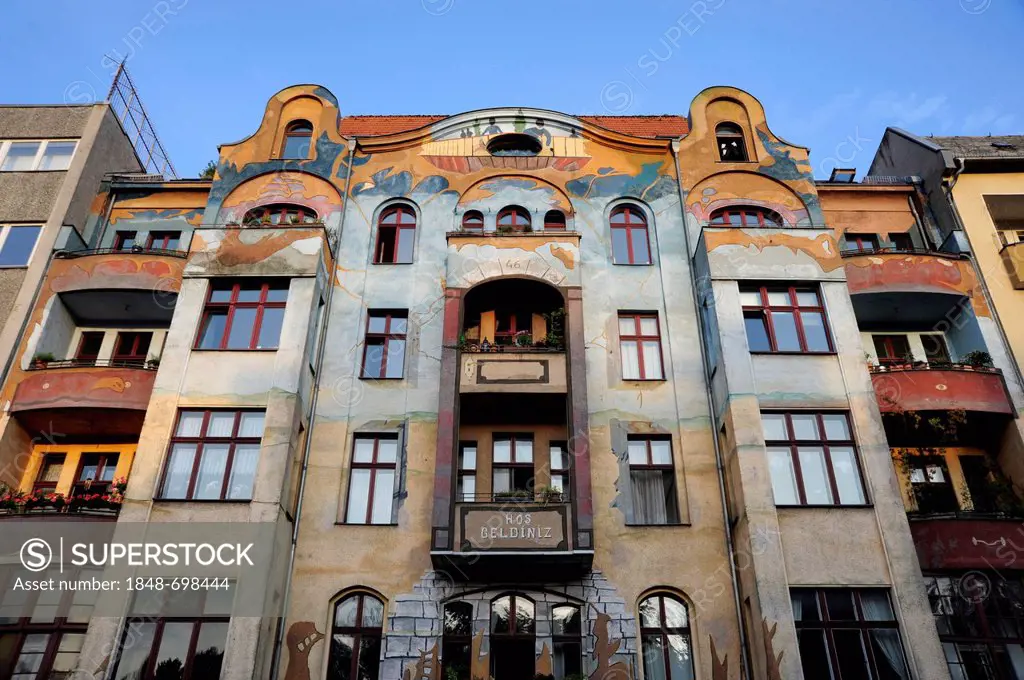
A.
x: 636, y: 126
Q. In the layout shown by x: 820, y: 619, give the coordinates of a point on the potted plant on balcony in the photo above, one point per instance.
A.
x: 549, y: 494
x: 978, y: 359
x: 41, y: 359
x: 43, y: 499
x: 522, y: 339
x: 555, y: 338
x: 13, y: 500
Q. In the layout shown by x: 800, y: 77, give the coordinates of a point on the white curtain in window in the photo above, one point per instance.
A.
x: 630, y: 360
x: 652, y: 360
x: 383, y: 494
x: 190, y: 423
x: 221, y: 424
x: 243, y: 471
x: 888, y: 642
x: 251, y: 425
x: 211, y: 471
x: 179, y: 470
x: 649, y: 497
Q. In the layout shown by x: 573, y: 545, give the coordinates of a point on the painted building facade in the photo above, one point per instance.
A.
x: 525, y: 393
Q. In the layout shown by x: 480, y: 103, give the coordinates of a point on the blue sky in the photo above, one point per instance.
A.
x: 831, y: 74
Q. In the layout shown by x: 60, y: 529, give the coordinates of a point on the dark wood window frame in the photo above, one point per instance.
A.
x: 149, y: 672
x: 862, y: 242
x: 576, y: 638
x: 555, y: 220
x: 233, y: 304
x: 405, y: 222
x: 384, y: 339
x: 828, y: 625
x: 106, y: 459
x: 200, y: 442
x: 793, y: 444
x: 662, y: 631
x: 358, y: 632
x: 628, y: 224
x: 282, y: 212
x: 640, y: 338
x: 513, y: 464
x: 161, y: 240
x: 513, y: 618
x: 49, y: 458
x: 123, y: 237
x: 297, y: 129
x: 473, y: 221
x: 374, y: 465
x: 671, y: 511
x: 515, y: 218
x: 132, y: 356
x: 766, y: 309
x: 749, y: 216
x: 88, y: 359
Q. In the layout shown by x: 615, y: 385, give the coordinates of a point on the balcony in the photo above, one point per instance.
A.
x: 512, y: 369
x: 81, y: 399
x: 937, y: 387
x: 898, y: 270
x: 968, y: 541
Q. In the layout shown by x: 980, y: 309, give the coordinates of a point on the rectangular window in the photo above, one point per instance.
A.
x: 892, y: 349
x: 371, y: 487
x: 812, y: 458
x: 558, y: 457
x: 384, y: 349
x: 935, y: 349
x: 640, y: 346
x: 132, y: 348
x: 17, y: 243
x: 784, y: 319
x: 860, y: 242
x: 89, y: 347
x: 26, y: 156
x: 931, y: 485
x: 164, y: 240
x: 466, y: 491
x: 20, y: 157
x: 512, y: 466
x: 57, y: 156
x: 652, y: 481
x: 902, y: 241
x: 49, y: 472
x: 848, y: 632
x: 124, y: 240
x: 243, y: 315
x: 213, y: 455
x: 95, y: 473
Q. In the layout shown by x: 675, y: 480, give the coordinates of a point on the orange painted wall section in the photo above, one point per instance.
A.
x: 125, y: 388
x: 937, y: 390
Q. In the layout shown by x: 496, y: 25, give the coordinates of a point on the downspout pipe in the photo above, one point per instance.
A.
x: 947, y: 189
x: 321, y: 341
x: 719, y: 464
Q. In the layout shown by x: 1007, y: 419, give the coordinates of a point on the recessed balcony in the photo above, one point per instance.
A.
x: 512, y: 369
x: 940, y: 387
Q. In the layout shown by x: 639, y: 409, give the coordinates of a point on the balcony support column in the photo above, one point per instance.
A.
x: 443, y: 518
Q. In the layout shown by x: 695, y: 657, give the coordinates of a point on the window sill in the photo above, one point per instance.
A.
x: 13, y: 266
x: 235, y: 501
x: 861, y: 506
x: 369, y: 378
x: 211, y: 349
x: 363, y: 524
x: 632, y: 264
x: 667, y: 525
x: 388, y: 264
x: 644, y: 380
x: 815, y: 354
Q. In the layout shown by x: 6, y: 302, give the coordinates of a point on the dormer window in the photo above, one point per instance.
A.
x: 298, y: 137
x: 731, y: 147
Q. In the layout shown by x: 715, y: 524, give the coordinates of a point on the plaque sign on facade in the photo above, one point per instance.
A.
x: 514, y: 528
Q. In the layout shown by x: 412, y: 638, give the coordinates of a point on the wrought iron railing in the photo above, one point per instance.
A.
x: 900, y: 251
x: 516, y: 497
x: 900, y: 365
x: 72, y: 254
x: 145, y: 364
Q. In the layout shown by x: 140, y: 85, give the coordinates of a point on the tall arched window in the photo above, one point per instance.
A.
x: 554, y: 220
x: 473, y: 220
x: 457, y: 641
x: 665, y: 638
x: 356, y: 638
x: 629, y: 236
x: 566, y: 638
x: 396, y: 233
x: 280, y: 213
x: 513, y: 219
x: 297, y: 139
x: 513, y: 631
x: 731, y: 147
x: 746, y: 216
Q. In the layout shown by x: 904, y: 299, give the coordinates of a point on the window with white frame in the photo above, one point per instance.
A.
x: 17, y: 242
x: 36, y: 155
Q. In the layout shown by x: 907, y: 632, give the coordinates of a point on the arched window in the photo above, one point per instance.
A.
x: 457, y: 641
x: 297, y: 138
x: 513, y: 627
x: 554, y: 220
x: 665, y: 638
x: 356, y: 638
x: 473, y: 220
x: 280, y: 213
x: 746, y: 216
x: 566, y: 638
x: 629, y: 236
x: 513, y: 219
x: 731, y: 147
x: 396, y: 232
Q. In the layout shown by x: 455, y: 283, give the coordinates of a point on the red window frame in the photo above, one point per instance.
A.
x: 137, y: 349
x: 824, y: 443
x: 385, y: 339
x: 105, y: 459
x: 828, y: 625
x: 630, y: 218
x: 725, y: 133
x: 513, y: 464
x: 278, y: 214
x: 765, y: 310
x: 49, y: 459
x: 200, y: 443
x: 555, y: 220
x: 297, y: 129
x: 233, y: 304
x: 666, y: 469
x: 161, y: 240
x: 473, y: 221
x: 373, y: 466
x: 662, y: 631
x: 902, y: 241
x: 515, y: 218
x: 122, y: 237
x: 406, y: 221
x: 80, y: 355
x: 749, y: 216
x: 159, y: 625
x: 640, y: 338
x: 891, y: 356
x: 358, y: 633
x: 860, y: 242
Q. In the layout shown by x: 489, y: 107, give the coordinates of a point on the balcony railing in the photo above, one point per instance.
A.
x: 137, y: 250
x: 144, y: 364
x: 517, y: 497
x: 899, y: 251
x: 513, y: 234
x: 65, y: 512
x: 889, y: 366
